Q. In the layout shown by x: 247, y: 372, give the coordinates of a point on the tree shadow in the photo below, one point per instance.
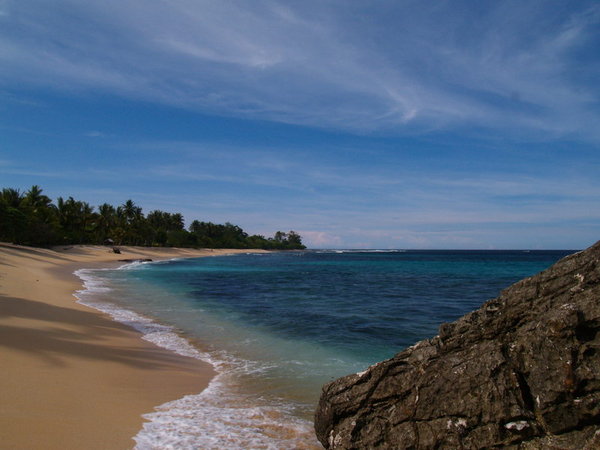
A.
x: 32, y: 253
x: 65, y: 332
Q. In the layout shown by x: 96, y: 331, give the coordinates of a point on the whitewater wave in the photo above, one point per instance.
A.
x: 219, y: 417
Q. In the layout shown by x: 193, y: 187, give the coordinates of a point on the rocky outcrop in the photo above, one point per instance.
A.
x: 522, y: 372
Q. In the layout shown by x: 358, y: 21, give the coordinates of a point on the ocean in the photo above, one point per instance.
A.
x: 277, y: 326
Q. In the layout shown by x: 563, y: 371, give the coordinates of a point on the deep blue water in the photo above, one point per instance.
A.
x: 279, y: 325
x: 366, y: 303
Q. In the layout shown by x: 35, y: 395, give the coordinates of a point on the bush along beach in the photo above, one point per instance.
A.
x: 32, y: 218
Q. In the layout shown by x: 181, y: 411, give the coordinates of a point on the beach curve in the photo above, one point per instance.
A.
x: 72, y: 376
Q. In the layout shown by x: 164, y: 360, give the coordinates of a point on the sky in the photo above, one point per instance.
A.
x: 358, y: 124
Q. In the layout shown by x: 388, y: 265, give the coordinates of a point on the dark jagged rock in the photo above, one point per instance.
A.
x: 521, y: 372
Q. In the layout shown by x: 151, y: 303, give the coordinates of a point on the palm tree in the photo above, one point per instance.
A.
x: 41, y: 217
x: 107, y: 219
x: 88, y: 221
x: 176, y: 221
x: 34, y: 197
x: 13, y: 221
x: 133, y: 222
x: 132, y: 211
x: 12, y: 197
x: 32, y: 218
x: 76, y: 219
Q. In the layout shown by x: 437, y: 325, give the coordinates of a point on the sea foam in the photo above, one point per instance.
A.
x: 220, y: 416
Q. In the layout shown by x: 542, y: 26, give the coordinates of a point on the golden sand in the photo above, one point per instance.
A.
x: 70, y: 377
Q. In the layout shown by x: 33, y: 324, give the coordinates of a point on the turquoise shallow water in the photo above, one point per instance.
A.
x: 277, y: 326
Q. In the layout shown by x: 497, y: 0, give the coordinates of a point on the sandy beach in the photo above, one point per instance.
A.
x: 72, y: 378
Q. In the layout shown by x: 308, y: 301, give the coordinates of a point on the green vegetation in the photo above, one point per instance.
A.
x: 31, y: 218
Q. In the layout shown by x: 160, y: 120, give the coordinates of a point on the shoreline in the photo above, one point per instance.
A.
x: 72, y: 376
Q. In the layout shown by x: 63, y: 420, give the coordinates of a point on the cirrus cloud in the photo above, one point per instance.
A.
x: 393, y: 67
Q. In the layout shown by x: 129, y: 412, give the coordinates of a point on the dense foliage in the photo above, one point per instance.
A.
x: 31, y: 218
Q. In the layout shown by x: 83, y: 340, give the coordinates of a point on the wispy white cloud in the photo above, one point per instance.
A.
x: 340, y: 206
x: 395, y: 66
x: 96, y: 134
x: 518, y: 69
x: 320, y: 239
x: 32, y: 173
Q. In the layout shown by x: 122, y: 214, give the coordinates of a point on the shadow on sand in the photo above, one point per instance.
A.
x: 64, y: 332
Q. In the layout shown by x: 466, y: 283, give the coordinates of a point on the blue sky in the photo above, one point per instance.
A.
x: 386, y: 124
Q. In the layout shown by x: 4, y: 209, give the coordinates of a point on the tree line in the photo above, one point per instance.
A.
x: 31, y: 218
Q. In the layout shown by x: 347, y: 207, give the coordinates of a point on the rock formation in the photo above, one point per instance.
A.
x: 521, y: 372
